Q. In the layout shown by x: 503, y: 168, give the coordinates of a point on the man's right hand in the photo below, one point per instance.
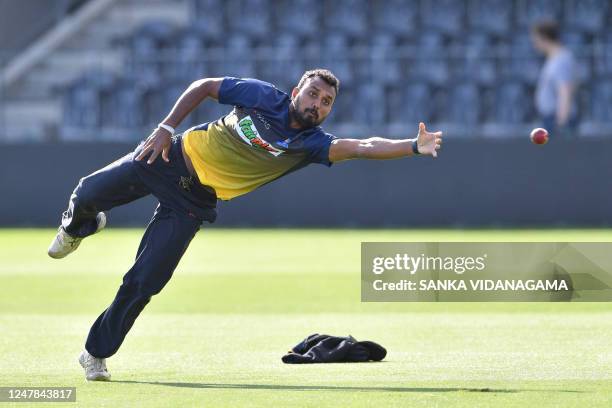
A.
x: 158, y: 142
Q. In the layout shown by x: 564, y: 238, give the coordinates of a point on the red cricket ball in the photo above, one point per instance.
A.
x: 539, y: 136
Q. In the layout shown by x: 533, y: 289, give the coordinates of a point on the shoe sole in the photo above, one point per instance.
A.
x: 100, y: 378
x: 59, y: 255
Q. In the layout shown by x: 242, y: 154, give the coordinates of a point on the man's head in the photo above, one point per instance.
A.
x: 313, y: 97
x: 545, y: 36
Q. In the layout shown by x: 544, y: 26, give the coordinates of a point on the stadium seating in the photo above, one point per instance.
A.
x: 418, y: 104
x: 398, y: 17
x: 300, y: 17
x: 445, y: 16
x: 531, y: 11
x: 586, y: 15
x: 249, y: 17
x: 510, y: 103
x: 463, y: 104
x: 603, y: 55
x: 455, y: 62
x: 347, y: 16
x: 601, y: 101
x: 208, y: 20
x: 490, y: 16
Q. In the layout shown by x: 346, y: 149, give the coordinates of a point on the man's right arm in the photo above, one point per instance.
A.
x: 565, y: 91
x: 160, y: 140
x: 565, y: 83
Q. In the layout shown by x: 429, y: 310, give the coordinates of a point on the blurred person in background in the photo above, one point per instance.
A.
x: 556, y: 87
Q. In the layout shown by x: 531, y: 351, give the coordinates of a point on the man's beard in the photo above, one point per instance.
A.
x: 304, y: 119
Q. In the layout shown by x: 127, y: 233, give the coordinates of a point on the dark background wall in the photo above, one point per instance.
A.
x: 472, y: 183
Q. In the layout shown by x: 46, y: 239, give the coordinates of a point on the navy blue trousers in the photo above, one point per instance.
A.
x: 183, y: 205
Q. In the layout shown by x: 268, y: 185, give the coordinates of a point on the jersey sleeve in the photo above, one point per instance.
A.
x: 319, y: 151
x: 250, y: 93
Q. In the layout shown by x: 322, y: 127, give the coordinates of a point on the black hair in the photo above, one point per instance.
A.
x: 548, y: 29
x: 325, y: 74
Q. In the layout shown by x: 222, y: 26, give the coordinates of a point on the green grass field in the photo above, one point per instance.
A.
x: 241, y: 298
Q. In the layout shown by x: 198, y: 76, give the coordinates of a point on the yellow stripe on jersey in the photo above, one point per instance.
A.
x: 231, y: 166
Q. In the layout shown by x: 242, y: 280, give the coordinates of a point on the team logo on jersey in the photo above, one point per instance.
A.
x: 248, y: 132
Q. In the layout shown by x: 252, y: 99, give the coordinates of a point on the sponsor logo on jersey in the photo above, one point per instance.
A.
x: 249, y: 133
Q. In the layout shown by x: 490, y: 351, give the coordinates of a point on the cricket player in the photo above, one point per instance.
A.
x: 268, y: 134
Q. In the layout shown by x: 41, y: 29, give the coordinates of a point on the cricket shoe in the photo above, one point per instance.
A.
x: 64, y: 243
x: 95, y: 368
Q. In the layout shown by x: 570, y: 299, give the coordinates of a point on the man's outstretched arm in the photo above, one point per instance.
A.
x: 378, y: 148
x: 160, y: 140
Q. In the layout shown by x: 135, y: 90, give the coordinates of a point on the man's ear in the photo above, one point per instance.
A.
x: 294, y: 92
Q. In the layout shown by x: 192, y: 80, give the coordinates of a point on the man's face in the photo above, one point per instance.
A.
x: 313, y: 102
x: 539, y: 43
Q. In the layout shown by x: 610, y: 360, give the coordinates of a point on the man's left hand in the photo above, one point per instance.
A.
x: 427, y: 142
